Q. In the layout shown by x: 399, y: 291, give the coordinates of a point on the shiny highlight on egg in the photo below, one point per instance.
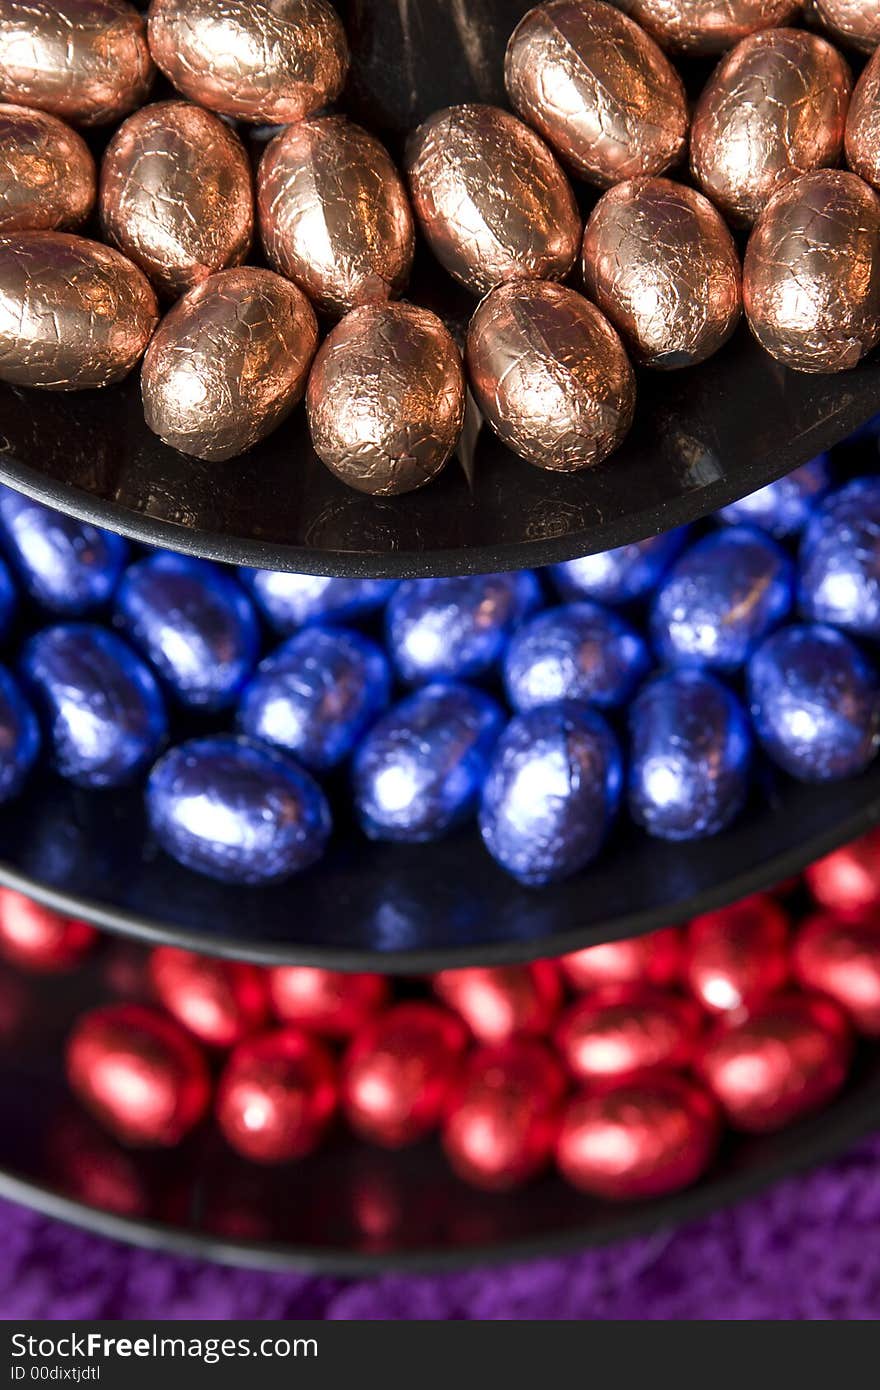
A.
x: 228, y: 363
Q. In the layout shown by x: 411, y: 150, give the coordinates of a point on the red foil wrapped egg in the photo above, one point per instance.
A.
x: 654, y: 959
x: 220, y: 1001
x: 277, y: 1096
x: 331, y: 1002
x: 786, y: 1059
x: 642, y: 1140
x: 140, y: 1075
x: 399, y: 1073
x: 503, y: 1122
x: 35, y: 938
x: 501, y: 1001
x: 737, y: 956
x: 624, y: 1032
x: 839, y: 955
x: 848, y: 879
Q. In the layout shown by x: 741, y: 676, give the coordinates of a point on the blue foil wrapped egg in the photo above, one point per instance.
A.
x: 67, y: 566
x: 289, y: 601
x: 840, y: 560
x: 195, y: 625
x: 622, y: 575
x: 455, y: 629
x: 420, y: 769
x: 317, y: 694
x: 723, y: 595
x: 100, y: 705
x: 237, y: 811
x: 579, y: 651
x: 815, y: 703
x: 690, y: 754
x: 8, y: 600
x: 552, y: 791
x: 784, y: 507
x: 19, y: 737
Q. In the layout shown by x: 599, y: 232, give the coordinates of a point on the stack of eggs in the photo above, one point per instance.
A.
x: 645, y: 682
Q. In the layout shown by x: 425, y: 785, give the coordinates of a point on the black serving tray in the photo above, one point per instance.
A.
x: 702, y: 437
x: 410, y: 908
x: 351, y: 1209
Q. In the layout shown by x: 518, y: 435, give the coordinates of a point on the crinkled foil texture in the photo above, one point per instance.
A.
x: 73, y: 313
x: 659, y: 261
x: 550, y: 375
x: 176, y: 195
x: 811, y: 281
x: 228, y: 363
x: 774, y: 108
x: 491, y: 199
x: 855, y: 22
x: 708, y: 26
x: 386, y: 398
x: 598, y: 88
x: 275, y: 62
x: 84, y: 60
x: 47, y: 174
x: 863, y: 124
x: 334, y: 214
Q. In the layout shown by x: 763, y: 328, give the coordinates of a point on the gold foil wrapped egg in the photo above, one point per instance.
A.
x: 176, y: 194
x: 708, y: 26
x: 550, y: 375
x: 386, y: 398
x: 491, y: 199
x: 598, y: 88
x: 271, y: 61
x: 47, y: 174
x: 660, y: 262
x: 73, y: 313
x: 811, y: 277
x: 228, y: 363
x: 84, y: 60
x: 863, y: 124
x: 774, y: 108
x: 334, y: 214
x: 855, y: 23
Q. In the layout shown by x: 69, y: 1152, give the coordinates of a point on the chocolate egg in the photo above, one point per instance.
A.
x: 659, y: 261
x: 598, y: 88
x: 334, y: 214
x: 491, y: 200
x: 289, y: 601
x: 863, y: 124
x: 73, y: 314
x: 386, y: 398
x: 550, y: 375
x: 236, y: 811
x: 47, y: 174
x: 66, y: 565
x: 708, y: 26
x: 855, y: 22
x: 176, y: 195
x: 277, y: 1096
x: 19, y: 737
x: 773, y: 108
x: 811, y: 278
x: 273, y: 62
x: 624, y: 1033
x: 101, y: 708
x: 789, y: 1056
x: 228, y: 363
x: 838, y: 954
x: 85, y: 60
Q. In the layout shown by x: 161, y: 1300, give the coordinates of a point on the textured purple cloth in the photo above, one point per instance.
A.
x: 808, y: 1248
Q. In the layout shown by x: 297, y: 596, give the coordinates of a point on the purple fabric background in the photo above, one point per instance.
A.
x: 807, y: 1249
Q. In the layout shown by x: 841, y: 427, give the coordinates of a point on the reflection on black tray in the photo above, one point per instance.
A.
x: 351, y: 1208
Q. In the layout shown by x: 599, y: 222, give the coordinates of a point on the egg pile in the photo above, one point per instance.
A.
x: 256, y: 707
x: 245, y: 203
x: 621, y: 1064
